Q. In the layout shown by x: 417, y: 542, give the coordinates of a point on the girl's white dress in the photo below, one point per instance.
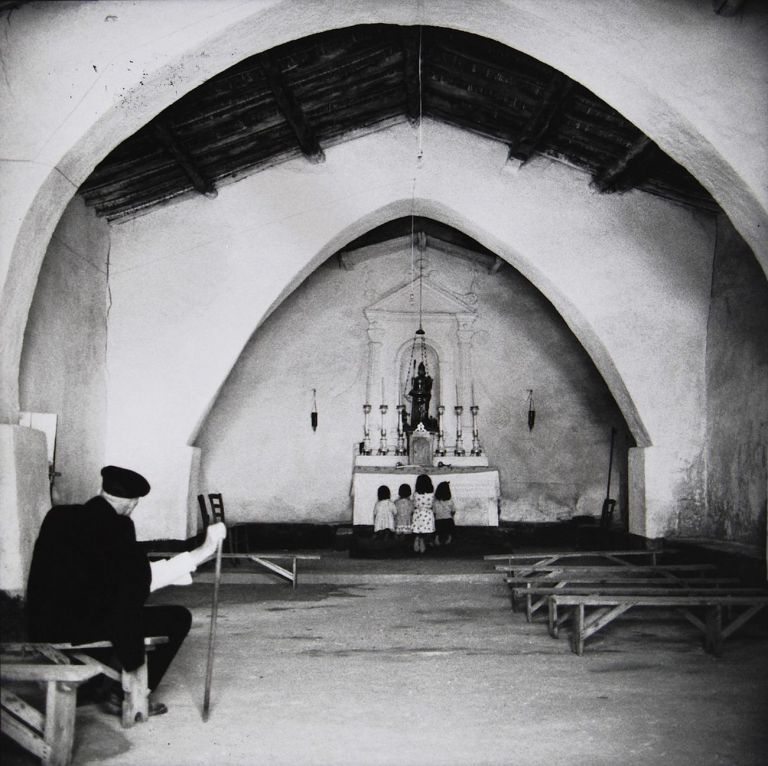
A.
x: 383, y: 515
x: 423, y: 519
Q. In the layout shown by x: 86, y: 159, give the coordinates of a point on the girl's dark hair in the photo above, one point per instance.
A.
x: 424, y: 484
x: 405, y: 490
x: 443, y: 491
x: 384, y: 492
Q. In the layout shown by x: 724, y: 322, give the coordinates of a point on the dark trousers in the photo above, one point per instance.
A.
x: 162, y: 620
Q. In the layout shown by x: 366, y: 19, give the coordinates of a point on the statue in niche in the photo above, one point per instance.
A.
x: 421, y: 395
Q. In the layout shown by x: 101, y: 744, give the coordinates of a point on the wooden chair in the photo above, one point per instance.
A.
x: 212, y: 512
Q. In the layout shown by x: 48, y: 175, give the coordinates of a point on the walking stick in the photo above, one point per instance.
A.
x: 212, y: 634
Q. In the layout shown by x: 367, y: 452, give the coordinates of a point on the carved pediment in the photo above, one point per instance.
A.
x: 435, y: 300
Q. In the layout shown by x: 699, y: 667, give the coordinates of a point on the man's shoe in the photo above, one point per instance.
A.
x: 113, y: 705
x: 157, y: 708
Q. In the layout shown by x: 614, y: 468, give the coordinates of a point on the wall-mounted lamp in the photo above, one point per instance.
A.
x: 531, y: 410
x: 313, y: 414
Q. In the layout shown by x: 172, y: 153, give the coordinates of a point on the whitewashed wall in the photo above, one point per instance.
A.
x: 737, y: 405
x: 259, y: 450
x: 192, y: 282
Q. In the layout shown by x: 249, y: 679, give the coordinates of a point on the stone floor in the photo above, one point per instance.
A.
x: 422, y: 662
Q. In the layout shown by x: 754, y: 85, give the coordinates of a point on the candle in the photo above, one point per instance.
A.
x: 382, y: 391
x: 473, y: 393
x: 457, y: 394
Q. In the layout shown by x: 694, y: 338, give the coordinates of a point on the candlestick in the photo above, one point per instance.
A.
x: 366, y: 430
x: 459, y: 451
x: 383, y: 447
x: 476, y: 448
x: 440, y: 451
x: 400, y: 448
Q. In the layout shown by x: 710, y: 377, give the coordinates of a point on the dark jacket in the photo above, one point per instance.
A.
x: 89, y: 580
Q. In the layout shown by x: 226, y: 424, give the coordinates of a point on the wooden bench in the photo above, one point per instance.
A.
x: 610, y: 569
x: 292, y: 574
x: 528, y: 588
x: 135, y: 708
x: 537, y: 596
x: 609, y: 607
x: 48, y: 734
x: 262, y: 559
x: 555, y: 556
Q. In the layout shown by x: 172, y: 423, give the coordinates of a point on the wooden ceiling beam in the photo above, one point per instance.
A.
x: 410, y: 40
x: 292, y: 111
x: 629, y: 170
x: 184, y: 159
x: 539, y: 123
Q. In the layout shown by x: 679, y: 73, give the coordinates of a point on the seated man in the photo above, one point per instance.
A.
x: 89, y: 580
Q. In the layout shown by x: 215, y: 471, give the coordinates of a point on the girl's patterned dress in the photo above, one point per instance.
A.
x: 423, y: 518
x: 404, y: 515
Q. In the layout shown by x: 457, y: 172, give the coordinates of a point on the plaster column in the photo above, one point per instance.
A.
x: 373, y: 384
x: 464, y: 335
x: 24, y: 500
x: 661, y: 487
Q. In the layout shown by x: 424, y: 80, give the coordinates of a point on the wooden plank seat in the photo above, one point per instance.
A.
x: 571, y: 569
x: 544, y: 574
x: 521, y: 587
x: 609, y: 607
x: 536, y: 594
x: 552, y: 557
x: 265, y: 560
x: 135, y: 708
x: 292, y: 574
x: 48, y: 734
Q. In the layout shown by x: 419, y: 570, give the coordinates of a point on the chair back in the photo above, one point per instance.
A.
x: 212, y: 511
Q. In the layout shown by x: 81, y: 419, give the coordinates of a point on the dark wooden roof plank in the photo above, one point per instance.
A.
x: 410, y: 41
x: 184, y: 159
x: 628, y: 170
x: 317, y: 91
x: 540, y: 121
x: 292, y: 111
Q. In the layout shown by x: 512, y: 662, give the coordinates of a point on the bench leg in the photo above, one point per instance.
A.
x: 135, y: 696
x: 713, y: 642
x: 59, y: 731
x: 552, y: 621
x: 577, y: 639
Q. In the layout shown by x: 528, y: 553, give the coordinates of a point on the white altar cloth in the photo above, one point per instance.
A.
x: 475, y: 491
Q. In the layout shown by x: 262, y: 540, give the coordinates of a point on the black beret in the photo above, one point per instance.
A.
x: 122, y: 482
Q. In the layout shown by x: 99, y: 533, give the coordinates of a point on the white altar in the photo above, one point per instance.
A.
x: 475, y: 486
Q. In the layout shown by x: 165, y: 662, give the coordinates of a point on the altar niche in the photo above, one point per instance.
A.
x: 420, y: 357
x: 419, y: 382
